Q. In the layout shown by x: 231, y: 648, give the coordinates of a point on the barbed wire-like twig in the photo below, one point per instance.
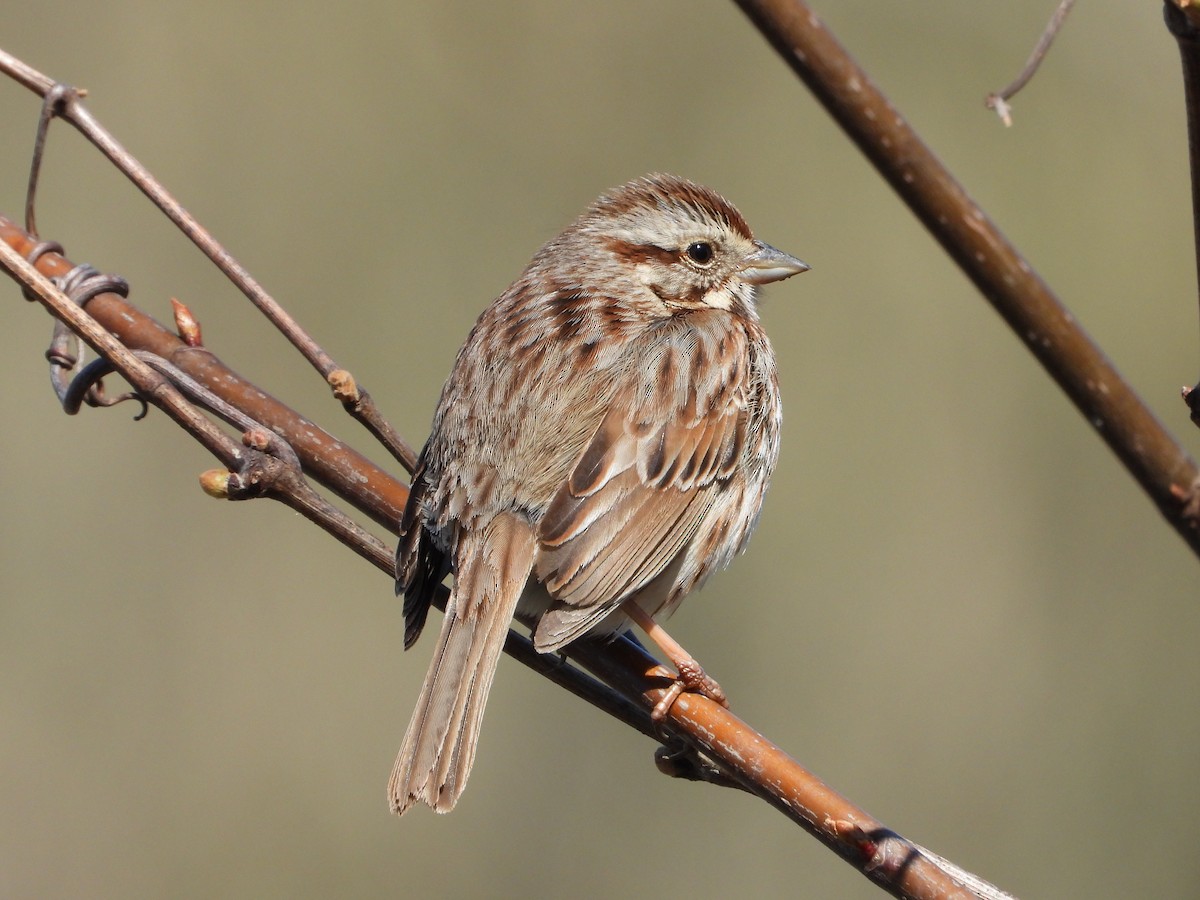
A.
x: 152, y: 380
x: 327, y: 459
x: 999, y: 100
x: 1050, y: 332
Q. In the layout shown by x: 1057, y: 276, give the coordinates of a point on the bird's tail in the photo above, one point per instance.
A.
x: 439, y: 746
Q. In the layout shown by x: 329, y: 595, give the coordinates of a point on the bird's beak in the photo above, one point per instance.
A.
x: 766, y: 264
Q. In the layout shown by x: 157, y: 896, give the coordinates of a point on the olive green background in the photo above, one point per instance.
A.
x: 959, y: 610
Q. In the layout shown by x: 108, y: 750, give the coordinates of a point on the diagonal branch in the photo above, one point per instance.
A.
x: 634, y: 678
x: 1150, y: 454
x: 65, y: 102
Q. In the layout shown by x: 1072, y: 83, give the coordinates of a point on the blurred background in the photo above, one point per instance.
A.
x: 958, y: 609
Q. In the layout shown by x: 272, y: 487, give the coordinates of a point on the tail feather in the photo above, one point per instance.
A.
x: 439, y: 745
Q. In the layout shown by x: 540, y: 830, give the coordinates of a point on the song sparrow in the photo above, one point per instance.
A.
x: 601, y: 446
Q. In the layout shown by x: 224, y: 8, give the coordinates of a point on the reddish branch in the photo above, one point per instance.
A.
x: 739, y: 752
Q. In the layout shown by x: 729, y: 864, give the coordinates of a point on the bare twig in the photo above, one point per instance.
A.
x: 50, y: 102
x: 64, y: 102
x: 1186, y: 30
x: 999, y: 100
x: 1150, y: 454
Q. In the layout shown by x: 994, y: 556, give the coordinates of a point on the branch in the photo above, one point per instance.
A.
x: 1150, y: 454
x: 1183, y: 21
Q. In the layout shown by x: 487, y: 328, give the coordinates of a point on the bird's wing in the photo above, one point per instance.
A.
x: 421, y: 565
x: 645, y: 481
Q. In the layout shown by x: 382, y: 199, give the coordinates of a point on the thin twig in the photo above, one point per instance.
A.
x: 66, y: 104
x: 999, y: 100
x: 1186, y: 31
x: 49, y: 103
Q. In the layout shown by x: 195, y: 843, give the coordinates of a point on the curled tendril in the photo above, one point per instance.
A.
x: 88, y: 387
x: 81, y: 284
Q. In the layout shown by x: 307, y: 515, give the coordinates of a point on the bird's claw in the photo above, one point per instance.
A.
x: 693, y: 679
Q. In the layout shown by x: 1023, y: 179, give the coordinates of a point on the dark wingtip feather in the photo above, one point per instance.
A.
x: 420, y: 565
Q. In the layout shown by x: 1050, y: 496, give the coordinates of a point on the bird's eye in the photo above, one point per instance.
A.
x: 700, y: 252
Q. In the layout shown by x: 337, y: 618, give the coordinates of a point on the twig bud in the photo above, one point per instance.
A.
x: 186, y: 325
x: 215, y: 483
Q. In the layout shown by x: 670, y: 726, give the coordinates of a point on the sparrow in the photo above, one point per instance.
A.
x: 601, y: 447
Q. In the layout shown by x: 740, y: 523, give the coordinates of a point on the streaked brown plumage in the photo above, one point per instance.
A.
x: 607, y: 433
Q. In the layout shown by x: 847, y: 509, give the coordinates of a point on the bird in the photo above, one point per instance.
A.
x: 601, y: 446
